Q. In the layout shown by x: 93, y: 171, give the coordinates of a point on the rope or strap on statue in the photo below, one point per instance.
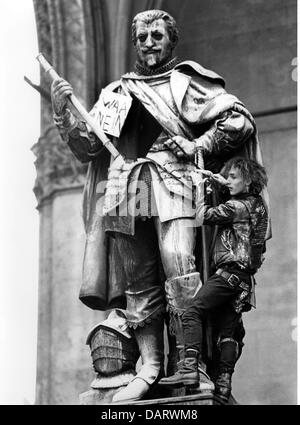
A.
x: 80, y: 109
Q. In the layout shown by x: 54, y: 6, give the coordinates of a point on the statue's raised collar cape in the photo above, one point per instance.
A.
x: 181, y: 66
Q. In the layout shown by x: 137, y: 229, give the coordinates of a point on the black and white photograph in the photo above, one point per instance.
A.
x: 149, y: 206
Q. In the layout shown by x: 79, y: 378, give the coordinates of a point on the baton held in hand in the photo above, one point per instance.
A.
x: 80, y: 109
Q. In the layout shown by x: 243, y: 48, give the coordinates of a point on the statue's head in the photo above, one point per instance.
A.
x: 154, y: 35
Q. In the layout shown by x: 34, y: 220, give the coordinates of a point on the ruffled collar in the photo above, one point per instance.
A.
x: 142, y: 70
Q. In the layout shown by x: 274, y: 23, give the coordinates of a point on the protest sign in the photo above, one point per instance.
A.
x: 111, y: 111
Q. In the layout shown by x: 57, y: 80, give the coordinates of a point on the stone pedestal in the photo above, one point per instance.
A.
x: 97, y: 397
x: 101, y: 397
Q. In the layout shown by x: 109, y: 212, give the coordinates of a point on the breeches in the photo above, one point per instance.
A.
x: 154, y: 244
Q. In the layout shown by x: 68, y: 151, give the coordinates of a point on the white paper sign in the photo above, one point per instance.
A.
x: 112, y: 110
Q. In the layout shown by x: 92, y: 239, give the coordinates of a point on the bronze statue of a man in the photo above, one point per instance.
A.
x: 180, y: 112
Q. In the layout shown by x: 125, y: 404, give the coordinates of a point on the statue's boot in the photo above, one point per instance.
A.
x: 173, y: 354
x: 176, y: 344
x: 229, y: 354
x: 151, y: 346
x: 180, y: 292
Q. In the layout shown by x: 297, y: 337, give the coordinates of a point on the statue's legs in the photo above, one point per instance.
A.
x: 145, y: 305
x: 177, y: 242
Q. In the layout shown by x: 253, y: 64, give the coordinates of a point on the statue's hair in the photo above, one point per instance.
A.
x: 152, y: 15
x: 250, y: 170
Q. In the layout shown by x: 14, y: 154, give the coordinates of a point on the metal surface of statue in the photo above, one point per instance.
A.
x: 139, y: 209
x: 114, y: 354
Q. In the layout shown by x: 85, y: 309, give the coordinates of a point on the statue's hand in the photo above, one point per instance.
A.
x: 181, y: 146
x: 60, y: 89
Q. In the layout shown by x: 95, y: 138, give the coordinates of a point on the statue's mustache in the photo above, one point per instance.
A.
x: 150, y: 50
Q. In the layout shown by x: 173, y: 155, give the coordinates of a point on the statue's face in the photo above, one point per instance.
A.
x: 153, y: 45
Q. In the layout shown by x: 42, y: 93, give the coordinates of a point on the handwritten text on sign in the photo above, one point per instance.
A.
x: 112, y: 110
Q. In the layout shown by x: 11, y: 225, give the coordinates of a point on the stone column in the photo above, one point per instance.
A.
x: 64, y: 366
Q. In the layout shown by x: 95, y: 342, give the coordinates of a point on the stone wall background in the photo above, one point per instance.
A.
x: 252, y: 44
